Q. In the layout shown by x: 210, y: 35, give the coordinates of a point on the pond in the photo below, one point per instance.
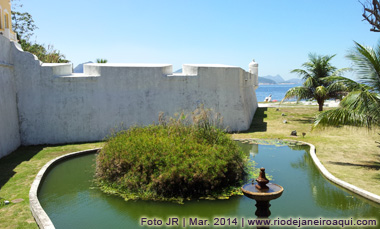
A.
x: 71, y: 200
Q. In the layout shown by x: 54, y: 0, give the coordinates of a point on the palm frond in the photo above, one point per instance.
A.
x: 311, y: 83
x: 358, y: 108
x: 299, y: 93
x: 320, y: 65
x: 367, y: 64
x: 341, y: 116
x: 101, y: 61
x: 321, y: 92
x: 342, y: 84
x: 363, y: 102
x: 341, y: 71
x: 361, y: 107
x: 304, y: 74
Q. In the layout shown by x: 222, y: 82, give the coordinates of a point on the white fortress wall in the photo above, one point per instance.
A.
x: 48, y: 104
x: 9, y: 127
x: 85, y: 107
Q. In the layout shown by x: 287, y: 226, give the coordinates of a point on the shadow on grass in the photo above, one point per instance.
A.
x: 258, y: 124
x: 305, y: 120
x: 11, y: 161
x: 370, y: 165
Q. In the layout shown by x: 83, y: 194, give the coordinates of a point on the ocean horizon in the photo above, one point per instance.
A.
x: 277, y: 91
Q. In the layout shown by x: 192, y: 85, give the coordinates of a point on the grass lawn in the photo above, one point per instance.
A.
x: 18, y: 171
x: 350, y: 154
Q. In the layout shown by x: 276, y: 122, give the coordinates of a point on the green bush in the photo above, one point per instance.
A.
x: 171, y: 161
x: 45, y: 54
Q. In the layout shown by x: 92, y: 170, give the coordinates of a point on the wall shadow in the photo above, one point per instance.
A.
x: 11, y: 161
x: 258, y: 124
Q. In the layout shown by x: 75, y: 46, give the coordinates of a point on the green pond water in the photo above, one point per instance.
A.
x: 71, y: 200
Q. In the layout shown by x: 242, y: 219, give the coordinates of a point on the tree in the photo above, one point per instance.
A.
x: 24, y: 26
x: 372, y: 14
x: 361, y: 107
x: 22, y: 22
x: 103, y: 61
x: 322, y: 81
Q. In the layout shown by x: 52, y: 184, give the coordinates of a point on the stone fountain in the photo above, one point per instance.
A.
x: 262, y: 191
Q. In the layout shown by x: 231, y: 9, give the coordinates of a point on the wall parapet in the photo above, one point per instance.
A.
x: 85, y: 107
x: 52, y: 105
x: 58, y: 69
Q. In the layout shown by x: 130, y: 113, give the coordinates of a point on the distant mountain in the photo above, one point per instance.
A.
x: 294, y: 81
x: 178, y: 71
x: 263, y: 80
x: 276, y: 78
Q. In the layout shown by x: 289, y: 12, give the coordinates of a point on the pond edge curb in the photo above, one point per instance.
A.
x: 39, y: 214
x: 368, y: 195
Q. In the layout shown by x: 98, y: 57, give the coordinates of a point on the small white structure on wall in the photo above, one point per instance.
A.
x: 48, y: 104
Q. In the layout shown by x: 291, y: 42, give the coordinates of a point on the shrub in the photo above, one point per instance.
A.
x: 45, y: 54
x: 172, y: 160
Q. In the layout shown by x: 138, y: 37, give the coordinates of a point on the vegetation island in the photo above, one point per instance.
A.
x: 173, y: 160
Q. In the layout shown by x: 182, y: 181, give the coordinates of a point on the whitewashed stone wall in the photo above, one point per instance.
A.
x: 56, y: 106
x: 9, y: 128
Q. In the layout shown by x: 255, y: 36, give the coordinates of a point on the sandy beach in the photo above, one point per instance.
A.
x: 328, y: 103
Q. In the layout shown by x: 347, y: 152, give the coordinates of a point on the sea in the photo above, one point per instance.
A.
x: 277, y: 91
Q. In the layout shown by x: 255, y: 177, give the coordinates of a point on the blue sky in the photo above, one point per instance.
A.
x: 278, y: 34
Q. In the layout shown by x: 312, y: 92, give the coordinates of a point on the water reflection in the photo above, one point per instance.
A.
x: 204, y: 208
x: 249, y: 149
x: 68, y: 196
x: 329, y: 196
x: 305, y: 187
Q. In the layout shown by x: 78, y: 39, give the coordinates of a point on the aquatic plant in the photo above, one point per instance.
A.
x: 179, y: 158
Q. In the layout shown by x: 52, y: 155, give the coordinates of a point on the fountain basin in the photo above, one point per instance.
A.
x: 251, y: 191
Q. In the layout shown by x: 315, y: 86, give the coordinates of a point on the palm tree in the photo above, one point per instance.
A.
x: 322, y: 81
x: 361, y: 107
x: 102, y: 61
